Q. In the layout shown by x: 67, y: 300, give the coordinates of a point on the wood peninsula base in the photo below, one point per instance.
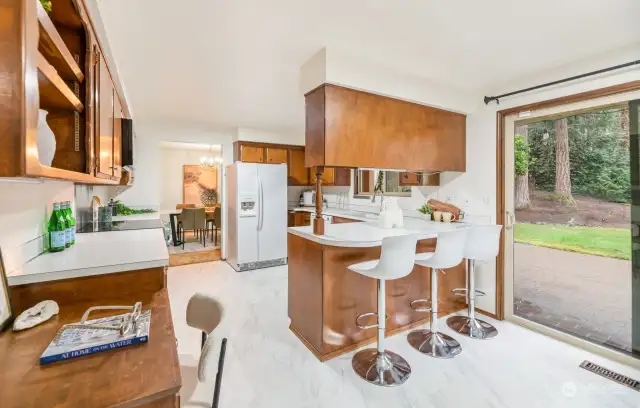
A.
x: 325, y: 298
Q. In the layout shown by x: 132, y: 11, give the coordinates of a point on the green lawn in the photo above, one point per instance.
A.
x: 609, y: 242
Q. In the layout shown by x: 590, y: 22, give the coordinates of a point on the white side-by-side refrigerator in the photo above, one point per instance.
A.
x: 257, y: 203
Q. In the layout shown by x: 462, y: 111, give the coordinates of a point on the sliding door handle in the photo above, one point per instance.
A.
x: 510, y: 221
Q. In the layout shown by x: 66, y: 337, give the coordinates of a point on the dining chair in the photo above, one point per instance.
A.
x: 205, y: 313
x: 200, y: 222
x: 217, y: 223
x: 183, y: 206
x: 186, y: 222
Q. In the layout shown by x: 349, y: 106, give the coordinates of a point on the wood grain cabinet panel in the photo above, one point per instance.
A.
x: 340, y: 220
x: 251, y: 154
x: 350, y: 128
x: 410, y: 179
x: 325, y: 298
x: 276, y: 155
x: 328, y: 176
x: 298, y: 173
x: 342, y: 177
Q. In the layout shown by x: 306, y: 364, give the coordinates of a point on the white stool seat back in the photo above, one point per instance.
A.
x: 483, y: 242
x: 396, y: 260
x: 450, y: 248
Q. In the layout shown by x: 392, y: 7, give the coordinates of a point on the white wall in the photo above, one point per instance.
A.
x: 171, y: 170
x: 257, y: 135
x: 24, y: 212
x: 333, y: 66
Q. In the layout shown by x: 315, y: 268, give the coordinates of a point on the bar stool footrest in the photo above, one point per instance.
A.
x: 370, y: 326
x: 460, y: 291
x: 414, y: 305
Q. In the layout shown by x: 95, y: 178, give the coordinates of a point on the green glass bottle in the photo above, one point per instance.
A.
x: 57, y: 230
x: 71, y: 224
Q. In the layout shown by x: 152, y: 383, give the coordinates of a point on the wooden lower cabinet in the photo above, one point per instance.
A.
x: 299, y: 218
x: 341, y: 220
x: 325, y: 298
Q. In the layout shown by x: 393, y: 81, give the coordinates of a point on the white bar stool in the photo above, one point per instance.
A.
x: 377, y: 365
x: 483, y: 243
x: 449, y: 253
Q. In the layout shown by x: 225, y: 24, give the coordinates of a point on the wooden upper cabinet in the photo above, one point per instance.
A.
x: 251, y: 154
x: 332, y: 177
x: 342, y: 177
x: 328, y: 176
x: 276, y: 155
x: 298, y: 174
x: 105, y: 119
x: 50, y: 64
x: 117, y: 137
x: 349, y: 128
x: 410, y: 179
x: 413, y: 179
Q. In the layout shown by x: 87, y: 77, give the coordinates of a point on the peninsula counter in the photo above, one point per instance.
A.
x: 325, y: 298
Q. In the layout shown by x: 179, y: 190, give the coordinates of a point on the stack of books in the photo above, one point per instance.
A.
x: 77, y: 342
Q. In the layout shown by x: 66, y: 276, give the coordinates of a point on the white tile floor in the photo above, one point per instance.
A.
x: 267, y: 367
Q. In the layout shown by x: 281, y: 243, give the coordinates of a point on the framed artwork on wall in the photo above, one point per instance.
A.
x: 6, y: 312
x: 199, y: 185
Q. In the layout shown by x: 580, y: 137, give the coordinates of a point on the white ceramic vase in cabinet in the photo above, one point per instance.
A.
x: 46, y: 140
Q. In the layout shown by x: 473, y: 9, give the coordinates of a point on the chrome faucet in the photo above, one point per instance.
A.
x: 373, y: 198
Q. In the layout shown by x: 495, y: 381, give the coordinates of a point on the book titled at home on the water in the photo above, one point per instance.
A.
x: 82, y: 342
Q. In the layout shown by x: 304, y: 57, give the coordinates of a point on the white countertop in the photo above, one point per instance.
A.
x: 97, y: 253
x: 369, y: 234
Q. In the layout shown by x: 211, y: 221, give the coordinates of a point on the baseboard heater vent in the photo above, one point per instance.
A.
x: 612, y: 375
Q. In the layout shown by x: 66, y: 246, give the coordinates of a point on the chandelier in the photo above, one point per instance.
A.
x: 210, y: 161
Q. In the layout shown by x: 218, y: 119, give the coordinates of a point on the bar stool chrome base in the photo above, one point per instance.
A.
x: 437, y: 345
x: 387, y: 368
x: 474, y: 328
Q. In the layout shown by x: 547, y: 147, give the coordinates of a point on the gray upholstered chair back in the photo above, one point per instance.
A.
x: 187, y: 218
x: 200, y: 218
x: 217, y: 217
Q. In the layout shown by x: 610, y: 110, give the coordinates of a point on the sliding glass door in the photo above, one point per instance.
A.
x: 634, y: 149
x: 572, y: 187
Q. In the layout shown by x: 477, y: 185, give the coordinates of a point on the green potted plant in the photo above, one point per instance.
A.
x: 46, y: 5
x: 426, y: 210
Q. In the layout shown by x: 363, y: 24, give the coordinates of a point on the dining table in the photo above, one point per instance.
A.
x: 172, y: 220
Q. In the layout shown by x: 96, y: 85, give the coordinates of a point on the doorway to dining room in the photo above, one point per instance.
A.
x: 191, y: 200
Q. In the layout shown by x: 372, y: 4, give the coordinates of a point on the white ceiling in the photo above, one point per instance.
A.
x: 236, y: 62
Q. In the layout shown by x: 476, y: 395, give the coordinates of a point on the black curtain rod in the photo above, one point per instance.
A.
x: 488, y: 99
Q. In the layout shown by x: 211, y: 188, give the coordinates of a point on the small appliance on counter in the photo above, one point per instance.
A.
x: 308, y: 198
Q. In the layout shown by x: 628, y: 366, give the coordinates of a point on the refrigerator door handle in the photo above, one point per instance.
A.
x: 261, y: 205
